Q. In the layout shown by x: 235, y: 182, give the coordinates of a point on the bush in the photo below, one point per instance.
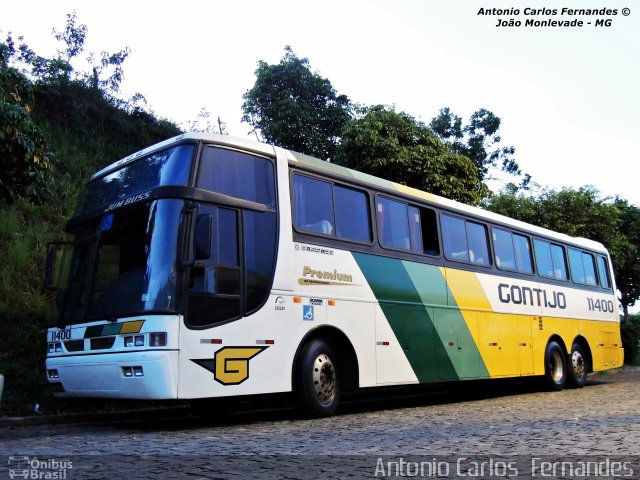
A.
x: 25, y: 156
x: 631, y: 339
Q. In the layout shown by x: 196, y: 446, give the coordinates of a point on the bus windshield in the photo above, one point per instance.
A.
x: 123, y: 264
x: 166, y: 167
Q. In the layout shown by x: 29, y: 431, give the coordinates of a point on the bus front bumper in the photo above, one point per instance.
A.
x: 146, y: 375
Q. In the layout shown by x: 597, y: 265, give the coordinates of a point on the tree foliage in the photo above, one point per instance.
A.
x: 56, y: 126
x: 25, y: 158
x: 584, y: 213
x: 105, y: 72
x: 626, y: 252
x: 478, y: 140
x: 396, y: 146
x: 295, y: 108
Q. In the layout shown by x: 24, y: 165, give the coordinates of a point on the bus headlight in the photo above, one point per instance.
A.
x: 158, y: 339
x: 131, y: 341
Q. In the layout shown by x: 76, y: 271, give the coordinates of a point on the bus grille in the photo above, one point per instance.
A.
x: 102, y: 343
x: 74, y: 345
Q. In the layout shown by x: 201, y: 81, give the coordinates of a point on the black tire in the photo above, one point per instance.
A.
x: 317, y: 382
x: 555, y: 366
x: 578, y: 367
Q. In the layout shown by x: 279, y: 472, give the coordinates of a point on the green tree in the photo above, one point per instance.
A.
x: 626, y: 253
x: 105, y: 74
x: 396, y: 146
x: 584, y: 213
x: 479, y: 140
x: 293, y: 107
x: 25, y: 158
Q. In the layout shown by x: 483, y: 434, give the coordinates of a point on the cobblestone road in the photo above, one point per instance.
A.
x: 601, y: 419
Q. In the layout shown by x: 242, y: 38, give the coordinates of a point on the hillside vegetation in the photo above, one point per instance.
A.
x: 57, y: 125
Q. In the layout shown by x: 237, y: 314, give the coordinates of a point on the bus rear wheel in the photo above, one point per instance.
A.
x: 317, y: 383
x: 578, y: 367
x: 555, y: 366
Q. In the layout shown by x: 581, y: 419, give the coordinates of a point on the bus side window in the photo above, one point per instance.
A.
x: 478, y: 245
x: 454, y: 237
x: 313, y: 205
x: 352, y: 214
x: 465, y: 241
x: 603, y: 272
x: 503, y: 248
x: 589, y: 268
x: 583, y: 268
x: 429, y: 226
x: 512, y: 251
x: 393, y: 224
x: 237, y: 174
x: 550, y: 260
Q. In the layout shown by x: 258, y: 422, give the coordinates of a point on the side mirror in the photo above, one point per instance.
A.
x: 202, y: 236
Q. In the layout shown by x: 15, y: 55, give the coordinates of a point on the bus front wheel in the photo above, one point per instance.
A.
x: 555, y: 370
x: 578, y: 367
x: 317, y: 385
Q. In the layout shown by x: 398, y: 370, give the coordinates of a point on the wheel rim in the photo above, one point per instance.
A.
x: 578, y: 364
x: 555, y: 366
x: 324, y: 378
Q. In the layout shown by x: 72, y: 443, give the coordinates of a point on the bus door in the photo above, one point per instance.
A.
x: 213, y: 294
x: 233, y: 262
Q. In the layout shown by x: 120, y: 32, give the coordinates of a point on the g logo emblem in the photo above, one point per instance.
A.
x: 230, y: 365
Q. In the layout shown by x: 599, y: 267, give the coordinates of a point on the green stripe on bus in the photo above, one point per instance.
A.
x: 433, y: 335
x: 452, y: 329
x: 411, y: 321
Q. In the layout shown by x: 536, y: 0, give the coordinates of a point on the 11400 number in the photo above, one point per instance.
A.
x: 597, y: 305
x: 60, y: 335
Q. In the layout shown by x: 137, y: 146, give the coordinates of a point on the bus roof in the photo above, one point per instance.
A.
x: 338, y: 171
x: 237, y: 142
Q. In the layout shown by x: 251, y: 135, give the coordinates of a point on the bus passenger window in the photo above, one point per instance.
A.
x: 589, y: 269
x: 583, y: 267
x: 559, y: 263
x: 603, y: 272
x: 352, y: 214
x: 513, y: 251
x: 550, y: 260
x: 393, y: 224
x: 503, y: 248
x: 415, y: 231
x: 429, y: 226
x: 313, y: 205
x: 465, y: 241
x: 455, y: 238
x: 478, y: 245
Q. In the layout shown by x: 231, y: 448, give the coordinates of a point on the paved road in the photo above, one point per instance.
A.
x: 489, y: 420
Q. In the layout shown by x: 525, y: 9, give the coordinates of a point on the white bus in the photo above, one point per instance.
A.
x: 207, y: 266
